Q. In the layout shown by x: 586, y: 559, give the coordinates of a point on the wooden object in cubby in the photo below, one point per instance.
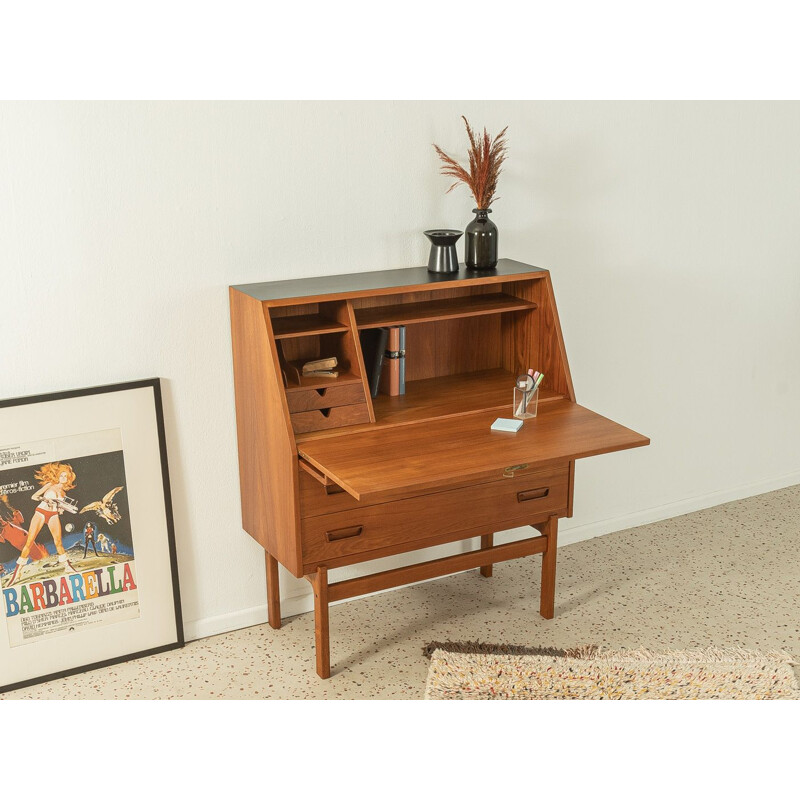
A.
x: 331, y: 476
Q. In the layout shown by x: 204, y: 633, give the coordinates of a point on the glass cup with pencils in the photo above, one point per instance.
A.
x: 526, y: 394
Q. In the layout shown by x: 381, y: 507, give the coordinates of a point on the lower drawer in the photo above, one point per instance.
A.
x: 323, y: 418
x: 492, y: 506
x: 324, y: 397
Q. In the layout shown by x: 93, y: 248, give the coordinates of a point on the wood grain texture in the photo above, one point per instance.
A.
x: 320, y: 495
x: 446, y: 396
x: 304, y: 383
x: 403, y: 547
x: 336, y: 417
x: 549, y: 530
x: 273, y: 592
x: 315, y: 474
x: 434, y: 569
x: 472, y: 305
x: 267, y: 456
x: 346, y: 315
x: 431, y: 454
x: 521, y: 333
x: 466, y: 345
x: 486, y: 542
x: 319, y: 583
x: 325, y: 397
x: 449, y: 345
x: 552, y: 352
x: 422, y: 343
x: 571, y: 487
x: 304, y: 325
x: 541, y: 343
x: 498, y: 505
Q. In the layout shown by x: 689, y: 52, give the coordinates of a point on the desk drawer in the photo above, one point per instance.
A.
x: 316, y: 499
x: 335, y: 417
x: 493, y: 506
x: 326, y: 397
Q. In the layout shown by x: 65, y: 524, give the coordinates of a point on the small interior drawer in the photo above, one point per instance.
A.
x: 336, y: 417
x: 326, y: 397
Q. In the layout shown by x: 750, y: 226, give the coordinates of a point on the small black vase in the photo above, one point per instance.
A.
x: 480, y: 243
x: 443, y: 257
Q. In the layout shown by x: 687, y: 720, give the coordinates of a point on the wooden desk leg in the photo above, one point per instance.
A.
x: 273, y: 593
x: 486, y: 541
x: 547, y: 602
x: 321, y: 630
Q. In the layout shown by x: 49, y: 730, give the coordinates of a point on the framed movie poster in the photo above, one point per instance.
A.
x: 88, y: 569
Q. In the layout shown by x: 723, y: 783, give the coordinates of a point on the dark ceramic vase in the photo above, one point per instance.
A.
x: 480, y: 243
x: 443, y: 257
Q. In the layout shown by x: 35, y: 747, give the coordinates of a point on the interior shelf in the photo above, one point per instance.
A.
x: 452, y: 395
x: 446, y: 308
x: 305, y: 325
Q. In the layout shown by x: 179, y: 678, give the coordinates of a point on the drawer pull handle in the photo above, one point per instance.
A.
x: 533, y: 494
x: 509, y: 472
x: 321, y: 392
x: 344, y: 533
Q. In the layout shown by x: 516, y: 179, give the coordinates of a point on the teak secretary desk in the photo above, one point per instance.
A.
x: 330, y: 476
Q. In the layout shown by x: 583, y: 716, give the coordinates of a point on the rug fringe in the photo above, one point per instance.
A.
x: 593, y: 651
x: 487, y: 648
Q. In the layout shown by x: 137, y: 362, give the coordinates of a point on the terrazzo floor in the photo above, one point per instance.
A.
x: 725, y: 576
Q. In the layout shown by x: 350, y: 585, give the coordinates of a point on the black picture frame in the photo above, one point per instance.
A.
x: 173, y: 626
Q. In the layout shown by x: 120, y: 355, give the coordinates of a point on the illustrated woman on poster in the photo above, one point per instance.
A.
x: 12, y: 530
x: 56, y: 480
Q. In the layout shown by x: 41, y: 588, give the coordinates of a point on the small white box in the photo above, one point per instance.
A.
x: 507, y: 425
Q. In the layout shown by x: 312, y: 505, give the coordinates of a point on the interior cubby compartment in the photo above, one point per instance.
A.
x: 452, y: 395
x: 295, y: 351
x: 310, y: 331
x: 463, y: 351
x: 308, y: 319
x: 420, y: 307
x: 456, y: 346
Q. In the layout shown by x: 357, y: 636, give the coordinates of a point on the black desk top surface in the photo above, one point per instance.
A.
x: 366, y: 282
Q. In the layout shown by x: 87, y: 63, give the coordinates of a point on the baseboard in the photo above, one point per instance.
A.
x: 245, y: 618
x: 303, y: 603
x: 580, y: 533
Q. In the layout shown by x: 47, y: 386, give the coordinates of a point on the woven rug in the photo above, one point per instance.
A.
x: 477, y: 671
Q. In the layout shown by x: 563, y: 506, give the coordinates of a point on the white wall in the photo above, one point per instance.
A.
x: 671, y: 230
